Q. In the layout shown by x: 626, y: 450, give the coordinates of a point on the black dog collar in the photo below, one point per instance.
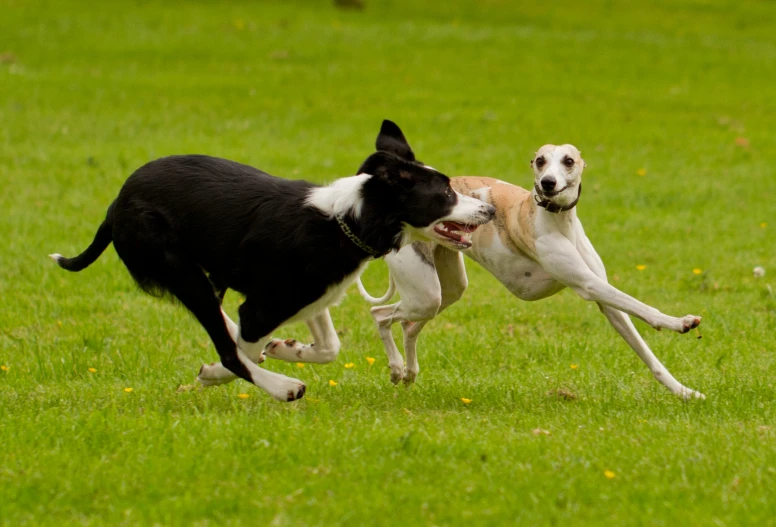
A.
x: 552, y: 207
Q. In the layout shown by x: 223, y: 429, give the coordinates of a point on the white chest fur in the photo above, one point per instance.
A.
x: 331, y: 297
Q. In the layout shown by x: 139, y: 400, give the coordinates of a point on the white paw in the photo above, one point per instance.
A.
x: 409, y: 376
x: 288, y: 350
x: 214, y: 374
x: 286, y: 389
x: 689, y: 394
x: 397, y: 373
x: 687, y: 323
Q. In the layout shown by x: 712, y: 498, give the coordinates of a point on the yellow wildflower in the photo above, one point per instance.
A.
x: 350, y: 365
x: 642, y: 172
x: 641, y: 267
x: 332, y: 383
x: 129, y: 390
x: 5, y: 368
x: 697, y: 271
x: 300, y: 365
x: 370, y: 360
x: 92, y: 370
x: 763, y: 225
x: 464, y: 400
x: 574, y: 366
x: 609, y: 474
x: 243, y: 395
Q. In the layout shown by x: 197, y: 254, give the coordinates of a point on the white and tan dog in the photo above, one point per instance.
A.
x: 536, y: 247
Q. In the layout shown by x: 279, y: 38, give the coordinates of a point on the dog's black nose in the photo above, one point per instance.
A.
x: 491, y: 211
x: 548, y: 183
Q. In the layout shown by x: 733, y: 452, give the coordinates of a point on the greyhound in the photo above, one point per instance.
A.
x: 536, y: 247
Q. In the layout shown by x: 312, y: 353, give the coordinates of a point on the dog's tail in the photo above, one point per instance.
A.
x: 375, y: 301
x: 101, y: 241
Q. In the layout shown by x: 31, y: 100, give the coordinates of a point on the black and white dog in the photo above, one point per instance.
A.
x: 193, y: 226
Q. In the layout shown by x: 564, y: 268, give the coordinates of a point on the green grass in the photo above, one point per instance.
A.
x: 90, y: 91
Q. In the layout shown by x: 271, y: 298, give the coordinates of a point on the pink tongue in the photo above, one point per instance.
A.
x: 449, y: 234
x: 451, y: 225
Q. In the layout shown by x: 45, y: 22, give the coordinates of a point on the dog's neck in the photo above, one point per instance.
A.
x: 340, y: 198
x: 374, y: 253
x: 372, y: 229
x: 375, y: 233
x: 551, y: 207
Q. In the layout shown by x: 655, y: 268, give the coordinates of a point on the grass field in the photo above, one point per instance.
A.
x: 673, y: 106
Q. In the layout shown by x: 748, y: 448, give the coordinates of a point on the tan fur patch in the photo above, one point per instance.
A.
x: 515, y: 212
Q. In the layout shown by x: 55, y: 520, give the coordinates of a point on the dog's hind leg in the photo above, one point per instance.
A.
x: 413, y: 271
x: 324, y: 349
x: 411, y: 332
x: 451, y: 273
x: 234, y: 332
x: 188, y: 283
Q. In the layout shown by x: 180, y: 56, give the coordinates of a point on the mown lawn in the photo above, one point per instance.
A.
x: 673, y: 106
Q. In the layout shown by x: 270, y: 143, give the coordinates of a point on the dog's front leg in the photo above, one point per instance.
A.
x: 564, y: 263
x: 234, y: 331
x: 216, y: 373
x: 624, y: 326
x: 628, y: 331
x: 324, y: 349
x: 252, y: 336
x: 278, y: 386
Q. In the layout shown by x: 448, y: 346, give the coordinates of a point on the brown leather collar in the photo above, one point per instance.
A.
x: 552, y: 207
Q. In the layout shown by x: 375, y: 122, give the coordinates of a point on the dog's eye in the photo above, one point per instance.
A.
x: 568, y: 161
x: 539, y: 162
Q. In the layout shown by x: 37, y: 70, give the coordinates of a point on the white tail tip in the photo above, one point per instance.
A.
x: 56, y: 257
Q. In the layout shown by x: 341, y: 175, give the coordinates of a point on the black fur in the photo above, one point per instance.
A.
x: 193, y: 226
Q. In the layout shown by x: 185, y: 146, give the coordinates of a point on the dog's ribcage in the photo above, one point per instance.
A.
x: 331, y: 297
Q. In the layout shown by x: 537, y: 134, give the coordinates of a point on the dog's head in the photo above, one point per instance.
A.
x: 558, y: 173
x: 404, y: 190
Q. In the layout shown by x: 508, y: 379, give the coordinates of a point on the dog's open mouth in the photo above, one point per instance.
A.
x: 457, y: 233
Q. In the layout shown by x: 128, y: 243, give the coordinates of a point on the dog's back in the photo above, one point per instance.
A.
x: 515, y: 212
x: 206, y: 207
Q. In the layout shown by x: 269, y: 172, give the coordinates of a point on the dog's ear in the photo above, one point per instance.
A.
x: 404, y: 178
x: 388, y: 170
x: 391, y: 139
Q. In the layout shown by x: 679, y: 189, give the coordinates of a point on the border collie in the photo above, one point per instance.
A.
x: 192, y: 226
